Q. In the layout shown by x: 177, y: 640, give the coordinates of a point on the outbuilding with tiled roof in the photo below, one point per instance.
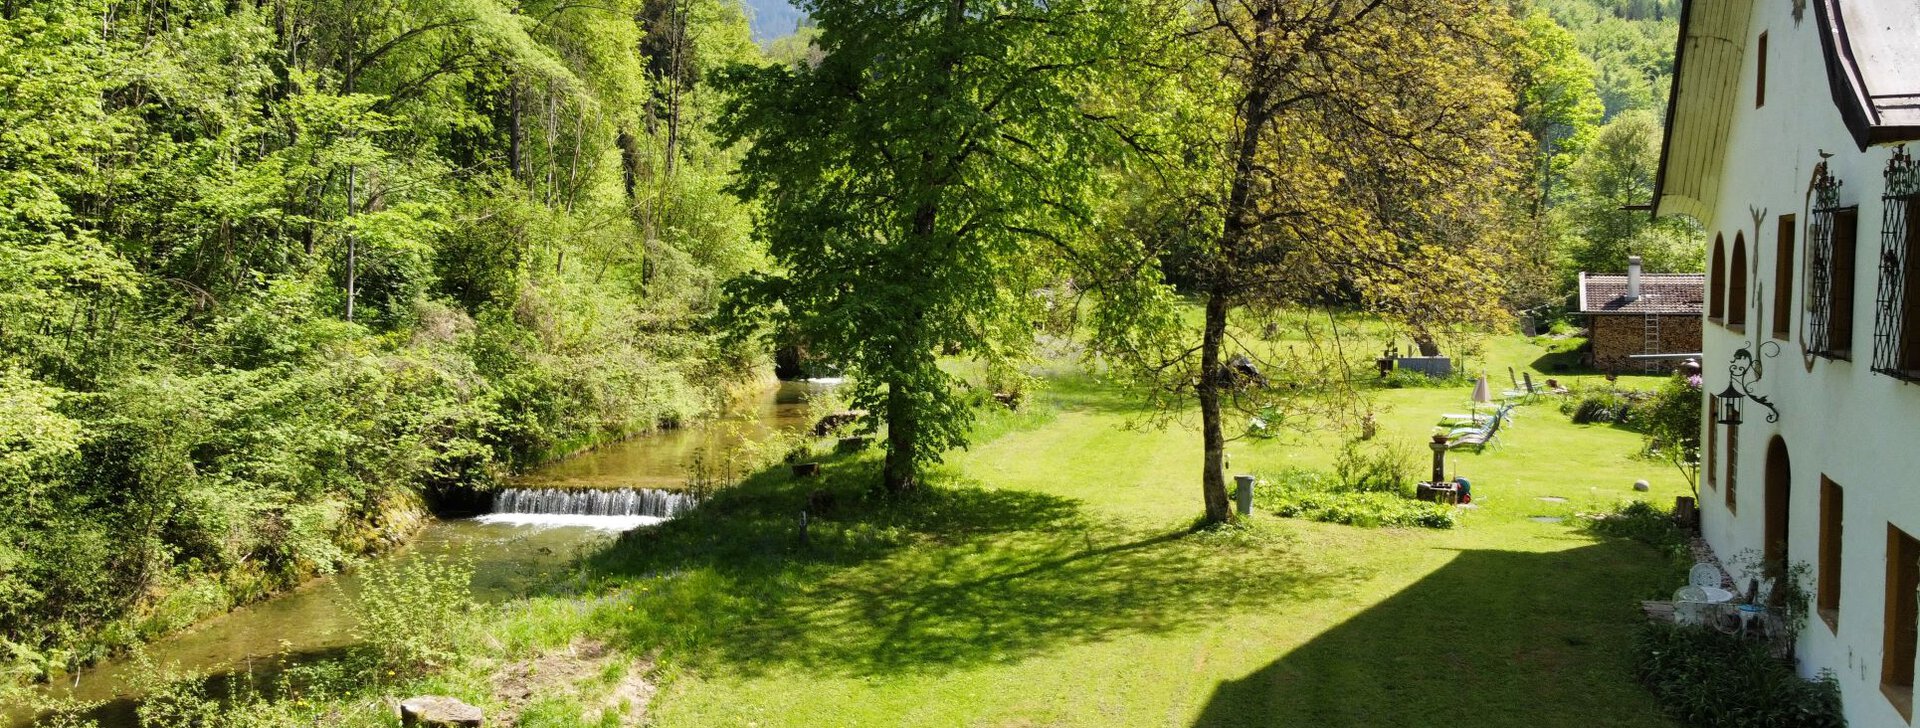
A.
x: 1641, y: 313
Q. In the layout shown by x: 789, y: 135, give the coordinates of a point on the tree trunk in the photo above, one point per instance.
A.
x: 353, y: 252
x: 902, y: 472
x: 1424, y: 341
x: 514, y: 131
x: 1213, y: 479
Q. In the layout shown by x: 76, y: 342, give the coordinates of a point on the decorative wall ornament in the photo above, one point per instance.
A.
x: 1743, y: 372
x: 1799, y: 10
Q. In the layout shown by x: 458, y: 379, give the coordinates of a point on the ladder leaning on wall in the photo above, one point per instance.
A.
x: 1650, y: 343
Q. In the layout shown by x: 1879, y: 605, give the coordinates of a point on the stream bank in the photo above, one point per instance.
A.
x: 510, y: 558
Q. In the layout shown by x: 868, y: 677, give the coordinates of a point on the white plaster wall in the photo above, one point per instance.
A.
x: 1839, y: 419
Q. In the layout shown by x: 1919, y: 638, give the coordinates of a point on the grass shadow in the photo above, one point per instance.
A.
x: 1493, y: 638
x: 1563, y: 361
x: 955, y: 575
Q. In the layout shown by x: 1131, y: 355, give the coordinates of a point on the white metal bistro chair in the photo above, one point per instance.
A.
x: 1704, y: 574
x: 1690, y: 606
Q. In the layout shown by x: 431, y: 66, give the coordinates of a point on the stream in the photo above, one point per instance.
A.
x: 511, y: 552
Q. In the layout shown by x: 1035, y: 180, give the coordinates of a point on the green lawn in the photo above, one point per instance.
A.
x: 1049, y: 578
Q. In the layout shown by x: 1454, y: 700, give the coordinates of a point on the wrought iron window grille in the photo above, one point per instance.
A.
x: 1893, y: 354
x: 1826, y: 205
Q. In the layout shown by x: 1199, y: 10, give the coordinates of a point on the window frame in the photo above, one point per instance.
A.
x: 1733, y: 469
x: 1737, y: 287
x: 1712, y: 456
x: 1832, y: 551
x: 1717, y: 281
x: 1784, y: 238
x: 1899, y: 620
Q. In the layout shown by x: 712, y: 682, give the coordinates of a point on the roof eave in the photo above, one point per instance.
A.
x: 1843, y: 82
x: 1666, y: 131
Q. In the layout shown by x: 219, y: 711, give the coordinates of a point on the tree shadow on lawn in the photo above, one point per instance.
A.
x: 956, y: 575
x: 1493, y: 638
x: 1082, y: 392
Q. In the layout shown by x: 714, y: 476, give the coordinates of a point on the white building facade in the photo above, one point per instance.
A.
x: 1783, y: 140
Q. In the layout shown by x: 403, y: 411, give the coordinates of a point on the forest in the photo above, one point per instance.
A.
x: 275, y: 275
x: 279, y: 277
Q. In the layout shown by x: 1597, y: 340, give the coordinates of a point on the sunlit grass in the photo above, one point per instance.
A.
x: 1049, y: 578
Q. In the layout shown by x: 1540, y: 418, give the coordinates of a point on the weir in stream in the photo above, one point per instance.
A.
x: 571, y: 505
x: 617, y: 509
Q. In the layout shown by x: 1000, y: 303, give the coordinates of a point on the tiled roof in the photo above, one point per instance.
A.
x: 1663, y: 293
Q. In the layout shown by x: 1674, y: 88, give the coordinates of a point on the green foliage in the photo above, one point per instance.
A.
x: 1300, y: 181
x: 1386, y: 467
x: 916, y: 182
x: 1617, y: 171
x: 1671, y: 421
x: 272, y: 277
x: 1413, y: 379
x: 1559, y: 106
x: 409, y: 611
x: 1604, y: 405
x: 1317, y: 495
x: 1630, y: 44
x: 1643, y: 522
x: 1709, y: 679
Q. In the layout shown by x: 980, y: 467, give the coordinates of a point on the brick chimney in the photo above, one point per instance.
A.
x: 1633, y: 278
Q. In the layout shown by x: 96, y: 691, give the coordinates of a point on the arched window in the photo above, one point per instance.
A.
x: 1717, y: 281
x: 1737, y: 282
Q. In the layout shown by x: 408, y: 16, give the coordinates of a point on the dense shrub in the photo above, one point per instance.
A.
x: 1387, y: 467
x: 1670, y: 419
x: 407, y: 609
x: 1603, y: 406
x: 1705, y: 678
x: 1411, y: 379
x: 1641, y: 521
x: 1317, y: 495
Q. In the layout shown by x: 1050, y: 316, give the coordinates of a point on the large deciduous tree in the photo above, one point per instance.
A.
x: 1614, y: 175
x: 915, y: 180
x: 1358, y: 153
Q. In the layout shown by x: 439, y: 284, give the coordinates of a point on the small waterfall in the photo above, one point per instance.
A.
x: 618, y: 510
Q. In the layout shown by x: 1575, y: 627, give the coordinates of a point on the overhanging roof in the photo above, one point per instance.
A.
x: 1872, y: 54
x: 1873, y: 66
x: 1700, y: 105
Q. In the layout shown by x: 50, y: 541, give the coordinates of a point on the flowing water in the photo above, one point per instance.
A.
x: 535, y: 529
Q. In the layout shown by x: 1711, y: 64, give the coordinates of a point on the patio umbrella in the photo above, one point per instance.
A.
x: 1481, y: 394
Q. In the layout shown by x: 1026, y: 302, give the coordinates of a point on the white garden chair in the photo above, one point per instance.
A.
x: 1690, y: 607
x: 1704, y: 574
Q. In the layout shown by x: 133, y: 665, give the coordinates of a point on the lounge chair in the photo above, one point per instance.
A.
x: 1476, y: 437
x: 1473, y: 421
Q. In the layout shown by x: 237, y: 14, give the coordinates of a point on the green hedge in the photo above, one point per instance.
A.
x: 1320, y: 496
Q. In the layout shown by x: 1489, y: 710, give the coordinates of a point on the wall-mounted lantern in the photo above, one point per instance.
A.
x: 1742, y: 373
x: 1730, y: 405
